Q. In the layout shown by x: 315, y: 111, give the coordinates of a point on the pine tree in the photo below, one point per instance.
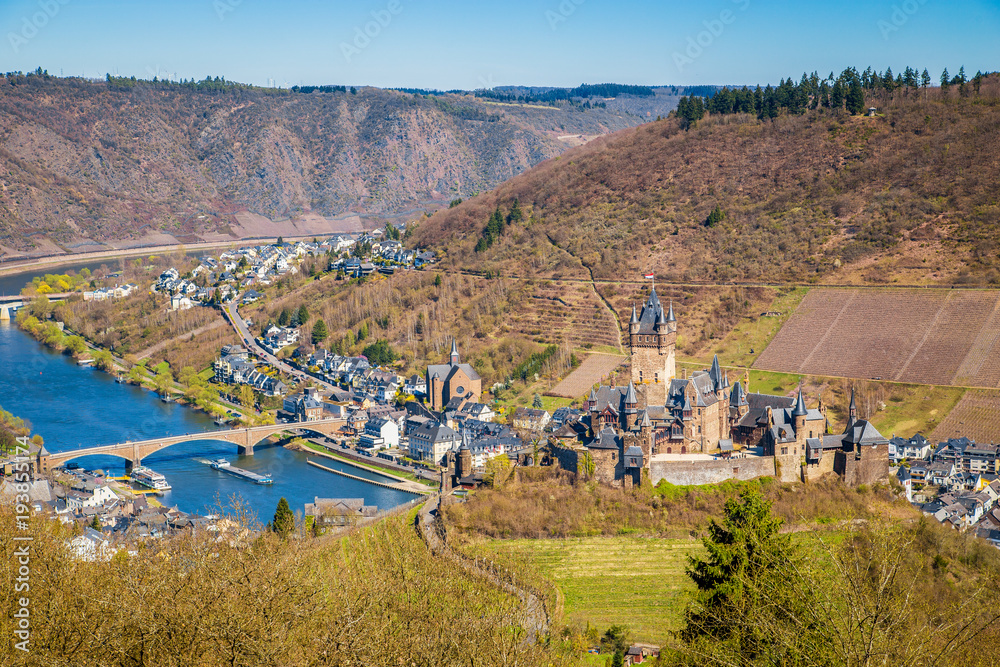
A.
x: 284, y: 521
x: 96, y: 524
x: 945, y: 81
x: 747, y: 562
x: 319, y: 332
x: 925, y: 78
x: 855, y: 97
x: 536, y: 402
x: 303, y: 314
x: 515, y: 214
x: 283, y: 318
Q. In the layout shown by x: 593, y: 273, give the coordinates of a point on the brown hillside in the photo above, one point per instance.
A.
x: 904, y: 196
x: 88, y: 162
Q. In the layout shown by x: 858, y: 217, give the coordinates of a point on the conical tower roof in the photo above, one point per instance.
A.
x: 635, y: 318
x: 737, y: 397
x: 800, y: 406
x: 716, y: 373
x: 645, y: 423
x: 670, y: 313
x: 630, y: 395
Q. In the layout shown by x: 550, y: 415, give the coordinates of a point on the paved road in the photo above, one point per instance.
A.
x: 233, y: 315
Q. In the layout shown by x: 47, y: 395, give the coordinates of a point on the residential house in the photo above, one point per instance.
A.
x: 378, y: 434
x: 431, y: 442
x: 305, y: 407
x: 336, y: 512
x: 531, y: 419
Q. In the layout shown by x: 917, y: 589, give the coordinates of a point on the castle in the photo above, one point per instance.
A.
x: 629, y: 431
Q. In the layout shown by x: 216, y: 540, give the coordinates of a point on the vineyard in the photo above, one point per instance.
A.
x: 594, y: 369
x: 569, y: 313
x: 977, y: 416
x: 917, y: 336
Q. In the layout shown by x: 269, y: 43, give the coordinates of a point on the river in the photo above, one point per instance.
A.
x: 72, y: 406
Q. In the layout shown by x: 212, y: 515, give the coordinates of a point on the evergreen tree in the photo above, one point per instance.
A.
x: 283, y: 318
x: 96, y: 524
x: 855, y: 97
x: 925, y: 78
x: 284, y: 520
x: 837, y: 95
x: 515, y: 214
x: 945, y: 81
x: 747, y: 568
x: 715, y: 217
x: 303, y: 314
x: 437, y: 280
x: 536, y: 402
x: 319, y: 332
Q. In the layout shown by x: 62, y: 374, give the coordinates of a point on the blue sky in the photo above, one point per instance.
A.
x: 449, y: 44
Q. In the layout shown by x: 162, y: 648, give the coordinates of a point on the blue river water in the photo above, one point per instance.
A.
x: 72, y: 406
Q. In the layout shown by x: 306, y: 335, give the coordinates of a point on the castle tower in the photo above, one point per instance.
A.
x: 652, y: 341
x: 631, y: 405
x: 799, y: 414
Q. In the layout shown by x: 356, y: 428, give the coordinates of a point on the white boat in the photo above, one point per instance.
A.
x: 84, y: 362
x: 220, y: 463
x: 150, y: 479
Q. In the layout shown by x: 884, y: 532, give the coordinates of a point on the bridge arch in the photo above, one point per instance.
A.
x: 244, y: 438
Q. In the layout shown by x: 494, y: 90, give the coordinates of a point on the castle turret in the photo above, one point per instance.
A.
x: 799, y: 414
x: 852, y: 411
x: 671, y: 320
x: 631, y: 405
x: 633, y: 323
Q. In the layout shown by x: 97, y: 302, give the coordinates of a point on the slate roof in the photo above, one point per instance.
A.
x: 606, y: 439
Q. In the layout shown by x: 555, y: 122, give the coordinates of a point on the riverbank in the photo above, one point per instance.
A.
x: 411, y: 485
x: 387, y: 470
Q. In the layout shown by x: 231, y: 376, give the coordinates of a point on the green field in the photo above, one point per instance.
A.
x: 742, y: 345
x: 636, y: 582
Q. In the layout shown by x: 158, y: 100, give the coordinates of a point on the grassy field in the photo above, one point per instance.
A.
x: 742, y: 345
x: 916, y: 409
x: 637, y: 582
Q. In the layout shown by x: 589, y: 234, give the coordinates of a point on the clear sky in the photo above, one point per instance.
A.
x: 449, y: 44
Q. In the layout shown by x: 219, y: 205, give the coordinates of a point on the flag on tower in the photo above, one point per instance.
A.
x: 649, y: 276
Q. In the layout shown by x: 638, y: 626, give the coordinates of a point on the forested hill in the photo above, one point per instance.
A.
x: 123, y: 160
x: 796, y: 189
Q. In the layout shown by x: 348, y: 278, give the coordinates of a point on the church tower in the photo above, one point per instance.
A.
x: 652, y: 339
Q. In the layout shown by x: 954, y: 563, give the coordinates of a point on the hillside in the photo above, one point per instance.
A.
x: 822, y: 196
x: 142, y: 163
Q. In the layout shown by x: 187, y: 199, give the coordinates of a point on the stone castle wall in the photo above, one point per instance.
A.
x: 684, y: 473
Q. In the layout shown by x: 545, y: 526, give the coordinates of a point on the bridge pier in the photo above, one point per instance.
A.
x: 246, y: 447
x: 4, y: 313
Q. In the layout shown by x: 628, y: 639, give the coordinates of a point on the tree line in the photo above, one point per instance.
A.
x: 845, y: 91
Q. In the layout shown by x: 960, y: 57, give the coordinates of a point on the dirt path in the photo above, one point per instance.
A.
x: 432, y: 530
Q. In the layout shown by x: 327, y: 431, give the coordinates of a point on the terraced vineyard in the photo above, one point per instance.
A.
x: 976, y: 416
x: 594, y: 368
x: 636, y: 582
x: 570, y: 313
x: 919, y: 336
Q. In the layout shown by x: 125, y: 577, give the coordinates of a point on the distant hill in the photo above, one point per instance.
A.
x: 820, y: 196
x: 130, y: 163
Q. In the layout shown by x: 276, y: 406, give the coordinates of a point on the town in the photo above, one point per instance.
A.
x: 440, y: 427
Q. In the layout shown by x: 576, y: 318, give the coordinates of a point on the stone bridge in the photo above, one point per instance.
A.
x: 243, y: 438
x: 10, y: 304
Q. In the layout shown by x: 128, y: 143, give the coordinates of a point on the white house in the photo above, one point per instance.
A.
x: 77, y: 500
x: 379, y: 434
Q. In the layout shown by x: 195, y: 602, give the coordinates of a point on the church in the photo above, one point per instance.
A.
x: 660, y: 414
